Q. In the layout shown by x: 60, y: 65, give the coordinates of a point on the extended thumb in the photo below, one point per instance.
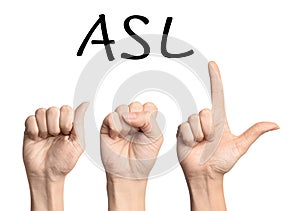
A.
x: 255, y: 131
x: 78, y: 127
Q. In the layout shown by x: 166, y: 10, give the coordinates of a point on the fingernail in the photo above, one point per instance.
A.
x: 129, y: 115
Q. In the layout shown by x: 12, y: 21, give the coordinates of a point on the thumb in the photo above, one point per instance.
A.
x: 253, y: 133
x: 78, y: 124
x: 146, y: 121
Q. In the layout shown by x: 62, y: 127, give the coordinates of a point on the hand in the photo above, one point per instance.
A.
x: 130, y: 142
x: 206, y: 147
x: 51, y: 149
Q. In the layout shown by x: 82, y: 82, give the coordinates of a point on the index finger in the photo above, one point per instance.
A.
x: 217, y: 93
x: 218, y: 107
x: 218, y: 113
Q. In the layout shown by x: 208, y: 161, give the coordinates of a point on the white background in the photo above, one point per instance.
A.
x: 256, y: 44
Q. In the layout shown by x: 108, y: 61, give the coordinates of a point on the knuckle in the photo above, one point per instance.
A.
x: 136, y: 103
x: 109, y: 119
x: 65, y: 108
x: 193, y: 117
x: 150, y: 106
x: 184, y: 126
x: 40, y: 111
x: 136, y: 106
x: 29, y: 119
x: 52, y: 110
x: 204, y: 111
x: 122, y: 108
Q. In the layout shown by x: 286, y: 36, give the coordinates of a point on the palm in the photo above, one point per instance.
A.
x: 221, y: 161
x: 54, y: 156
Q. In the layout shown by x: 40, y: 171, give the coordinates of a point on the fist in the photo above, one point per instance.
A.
x: 130, y: 140
x: 52, y: 140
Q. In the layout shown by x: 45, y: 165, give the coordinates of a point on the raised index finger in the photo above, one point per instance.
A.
x: 218, y: 113
x: 217, y: 93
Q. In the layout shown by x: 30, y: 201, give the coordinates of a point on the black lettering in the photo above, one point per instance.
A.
x: 106, y: 41
x: 164, y: 39
x: 136, y: 37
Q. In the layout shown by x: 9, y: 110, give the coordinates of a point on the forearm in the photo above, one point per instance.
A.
x: 126, y: 194
x: 46, y: 195
x: 206, y: 194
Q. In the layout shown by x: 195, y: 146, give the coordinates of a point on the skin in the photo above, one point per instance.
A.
x: 205, y: 179
x: 130, y: 142
x: 52, y: 145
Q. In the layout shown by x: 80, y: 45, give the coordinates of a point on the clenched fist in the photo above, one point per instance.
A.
x: 130, y: 140
x: 52, y: 142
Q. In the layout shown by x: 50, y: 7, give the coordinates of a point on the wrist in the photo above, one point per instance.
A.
x: 206, y: 193
x: 46, y: 194
x: 126, y: 194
